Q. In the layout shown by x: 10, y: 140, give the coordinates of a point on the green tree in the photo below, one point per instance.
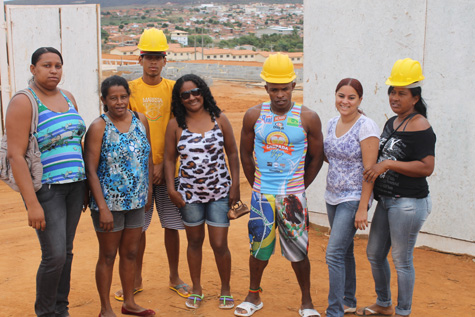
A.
x: 199, y: 38
x: 104, y: 35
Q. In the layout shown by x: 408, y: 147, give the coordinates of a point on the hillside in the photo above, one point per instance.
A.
x: 150, y: 3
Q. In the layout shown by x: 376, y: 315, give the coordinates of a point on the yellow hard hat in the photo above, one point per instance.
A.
x: 278, y: 69
x: 153, y: 40
x: 405, y: 72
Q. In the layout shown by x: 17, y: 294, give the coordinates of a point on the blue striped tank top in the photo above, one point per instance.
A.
x: 280, y: 147
x: 59, y: 138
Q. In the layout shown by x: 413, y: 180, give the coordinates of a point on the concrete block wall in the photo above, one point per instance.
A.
x: 215, y: 71
x: 363, y: 39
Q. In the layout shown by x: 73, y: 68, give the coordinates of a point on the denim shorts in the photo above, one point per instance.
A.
x: 215, y: 213
x: 125, y: 219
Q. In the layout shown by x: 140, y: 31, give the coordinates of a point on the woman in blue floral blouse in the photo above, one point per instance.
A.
x: 117, y: 156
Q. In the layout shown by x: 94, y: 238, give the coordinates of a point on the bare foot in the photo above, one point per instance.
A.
x: 375, y: 309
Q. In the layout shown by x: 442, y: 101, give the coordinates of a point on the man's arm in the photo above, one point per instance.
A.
x: 247, y: 143
x: 314, y: 159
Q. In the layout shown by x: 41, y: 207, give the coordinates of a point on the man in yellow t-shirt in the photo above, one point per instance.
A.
x: 151, y: 95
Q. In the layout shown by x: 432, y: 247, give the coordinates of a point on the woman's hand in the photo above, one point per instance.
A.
x: 234, y: 195
x: 370, y: 175
x: 106, y: 220
x: 176, y: 198
x: 85, y: 202
x: 36, y: 218
x: 361, y: 219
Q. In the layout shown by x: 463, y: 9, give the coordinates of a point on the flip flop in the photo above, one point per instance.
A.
x: 121, y: 297
x: 179, y: 287
x: 224, y: 299
x: 249, y: 307
x: 194, y: 297
x: 371, y: 312
x: 347, y: 310
x: 306, y: 312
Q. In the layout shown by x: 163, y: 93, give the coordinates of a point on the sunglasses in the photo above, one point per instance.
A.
x: 186, y: 94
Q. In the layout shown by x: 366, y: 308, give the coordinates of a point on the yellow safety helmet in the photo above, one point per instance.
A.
x: 153, y: 40
x: 278, y: 69
x: 405, y: 72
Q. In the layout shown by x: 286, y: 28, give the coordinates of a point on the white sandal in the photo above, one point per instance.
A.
x: 249, y: 307
x: 306, y: 312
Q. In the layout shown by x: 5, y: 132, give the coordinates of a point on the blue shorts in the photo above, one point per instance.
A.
x: 215, y: 213
x: 126, y: 219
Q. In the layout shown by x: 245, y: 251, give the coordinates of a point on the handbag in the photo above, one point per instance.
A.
x: 238, y: 210
x: 32, y: 154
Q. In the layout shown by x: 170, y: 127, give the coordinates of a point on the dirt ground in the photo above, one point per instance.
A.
x: 444, y: 282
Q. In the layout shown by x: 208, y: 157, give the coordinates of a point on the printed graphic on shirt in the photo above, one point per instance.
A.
x: 293, y: 122
x: 153, y: 106
x: 266, y: 119
x: 278, y: 142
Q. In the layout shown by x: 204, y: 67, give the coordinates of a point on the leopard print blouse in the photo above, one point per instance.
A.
x: 204, y: 176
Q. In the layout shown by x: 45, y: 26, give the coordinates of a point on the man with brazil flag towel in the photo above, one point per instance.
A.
x: 281, y: 153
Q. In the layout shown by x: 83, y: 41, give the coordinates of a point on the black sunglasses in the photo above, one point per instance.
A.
x: 186, y: 94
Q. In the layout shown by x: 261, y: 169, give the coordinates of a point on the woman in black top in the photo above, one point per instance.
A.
x: 406, y: 158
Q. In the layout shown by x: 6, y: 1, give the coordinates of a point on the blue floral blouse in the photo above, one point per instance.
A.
x: 123, y: 166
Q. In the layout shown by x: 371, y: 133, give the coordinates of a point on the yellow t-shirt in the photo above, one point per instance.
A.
x: 155, y: 103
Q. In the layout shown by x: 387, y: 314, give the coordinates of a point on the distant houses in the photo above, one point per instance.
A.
x: 274, y: 30
x: 180, y: 36
x: 176, y: 53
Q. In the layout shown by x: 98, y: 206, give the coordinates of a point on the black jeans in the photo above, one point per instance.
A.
x: 62, y: 205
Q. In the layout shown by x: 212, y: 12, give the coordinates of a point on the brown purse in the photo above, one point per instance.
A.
x: 238, y: 210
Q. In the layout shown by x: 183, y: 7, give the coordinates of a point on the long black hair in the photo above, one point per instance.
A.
x: 420, y: 106
x: 110, y: 82
x: 178, y: 108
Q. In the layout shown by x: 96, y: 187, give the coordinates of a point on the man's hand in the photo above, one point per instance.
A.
x: 158, y: 174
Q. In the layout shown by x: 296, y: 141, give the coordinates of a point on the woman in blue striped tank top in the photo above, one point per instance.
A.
x: 54, y: 210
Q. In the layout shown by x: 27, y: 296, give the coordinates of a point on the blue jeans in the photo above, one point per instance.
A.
x: 62, y: 205
x: 215, y: 213
x: 396, y: 223
x: 340, y: 257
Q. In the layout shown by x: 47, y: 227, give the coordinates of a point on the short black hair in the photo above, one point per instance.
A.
x: 110, y: 82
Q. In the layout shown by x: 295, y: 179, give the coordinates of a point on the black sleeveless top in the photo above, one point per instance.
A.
x: 403, y: 146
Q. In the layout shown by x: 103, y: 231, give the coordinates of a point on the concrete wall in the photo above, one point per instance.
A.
x: 363, y: 39
x: 74, y: 31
